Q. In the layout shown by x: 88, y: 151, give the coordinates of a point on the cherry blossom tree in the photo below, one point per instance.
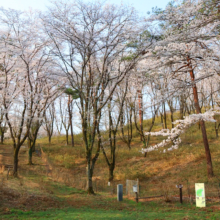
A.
x: 186, y: 45
x: 24, y: 70
x: 91, y: 46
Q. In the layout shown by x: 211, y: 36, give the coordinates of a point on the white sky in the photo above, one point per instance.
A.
x: 142, y: 6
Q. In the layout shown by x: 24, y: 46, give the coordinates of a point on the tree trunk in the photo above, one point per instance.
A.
x: 111, y: 172
x: 72, y: 136
x: 171, y: 117
x: 2, y: 137
x: 216, y: 129
x: 140, y: 111
x: 181, y: 100
x: 89, y: 180
x: 29, y: 152
x: 161, y: 119
x: 30, y: 156
x: 207, y: 150
x: 202, y: 123
x: 33, y: 146
x: 15, y: 168
x: 70, y: 120
x: 67, y: 138
x: 165, y: 116
x: 49, y: 138
x: 170, y: 103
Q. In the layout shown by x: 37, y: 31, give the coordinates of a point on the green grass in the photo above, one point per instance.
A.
x: 158, y: 174
x: 136, y: 211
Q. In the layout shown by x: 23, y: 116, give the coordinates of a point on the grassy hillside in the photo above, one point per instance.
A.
x: 158, y: 170
x: 54, y: 187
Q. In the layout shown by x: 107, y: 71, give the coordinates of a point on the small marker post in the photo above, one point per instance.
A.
x: 120, y: 192
x: 180, y: 186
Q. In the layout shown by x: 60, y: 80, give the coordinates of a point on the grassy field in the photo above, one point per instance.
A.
x: 152, y: 210
x: 54, y: 188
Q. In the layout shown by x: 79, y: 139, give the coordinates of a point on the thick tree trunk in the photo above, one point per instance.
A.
x: 111, y: 172
x: 89, y: 180
x: 30, y: 156
x: 33, y: 146
x: 49, y: 138
x: 15, y: 168
x: 202, y: 123
x: 129, y: 144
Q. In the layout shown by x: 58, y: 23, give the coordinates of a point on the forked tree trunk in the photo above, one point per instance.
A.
x: 202, y: 123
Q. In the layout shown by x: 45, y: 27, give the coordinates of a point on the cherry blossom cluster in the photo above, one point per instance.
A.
x: 173, y: 135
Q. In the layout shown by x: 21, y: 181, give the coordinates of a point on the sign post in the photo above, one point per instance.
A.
x: 200, y: 194
x: 180, y: 186
x: 135, y: 190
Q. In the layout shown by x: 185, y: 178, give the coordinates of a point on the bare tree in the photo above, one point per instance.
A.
x: 91, y: 44
x: 49, y: 118
x: 114, y: 122
x: 24, y: 66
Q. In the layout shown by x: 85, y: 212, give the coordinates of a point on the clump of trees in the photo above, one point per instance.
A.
x: 112, y: 68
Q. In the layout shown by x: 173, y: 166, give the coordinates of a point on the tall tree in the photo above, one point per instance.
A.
x: 185, y: 47
x: 91, y: 40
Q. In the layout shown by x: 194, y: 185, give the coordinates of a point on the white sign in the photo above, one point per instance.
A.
x: 135, y: 189
x: 200, y: 194
x: 109, y: 183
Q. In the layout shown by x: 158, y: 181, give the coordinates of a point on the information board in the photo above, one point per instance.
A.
x: 200, y: 194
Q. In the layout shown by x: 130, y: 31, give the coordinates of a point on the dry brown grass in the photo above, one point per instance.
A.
x: 158, y: 172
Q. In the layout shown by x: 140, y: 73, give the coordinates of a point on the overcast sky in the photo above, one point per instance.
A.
x: 142, y: 6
